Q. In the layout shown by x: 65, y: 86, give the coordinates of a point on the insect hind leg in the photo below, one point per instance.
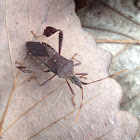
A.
x: 49, y: 31
x: 36, y: 36
x: 22, y: 68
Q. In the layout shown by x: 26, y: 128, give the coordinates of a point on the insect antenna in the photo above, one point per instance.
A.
x: 84, y: 83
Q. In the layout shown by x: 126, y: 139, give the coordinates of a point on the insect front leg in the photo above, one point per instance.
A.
x: 79, y: 62
x: 82, y: 75
x: 73, y: 94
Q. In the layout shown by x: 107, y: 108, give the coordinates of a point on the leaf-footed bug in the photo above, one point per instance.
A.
x: 56, y: 63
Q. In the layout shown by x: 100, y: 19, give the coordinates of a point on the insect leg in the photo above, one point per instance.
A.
x: 82, y: 75
x: 84, y: 83
x: 21, y: 63
x: 36, y: 35
x: 71, y: 92
x: 43, y: 82
x: 18, y: 63
x: 60, y: 41
x: 30, y: 71
x: 50, y: 31
x: 79, y: 62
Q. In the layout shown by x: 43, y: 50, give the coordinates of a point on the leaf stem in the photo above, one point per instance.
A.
x: 118, y: 41
x: 14, y: 86
x: 11, y: 94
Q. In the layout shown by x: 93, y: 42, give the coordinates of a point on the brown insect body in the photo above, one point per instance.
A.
x: 56, y: 63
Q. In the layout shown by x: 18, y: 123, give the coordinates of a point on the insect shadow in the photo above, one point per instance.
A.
x: 56, y: 63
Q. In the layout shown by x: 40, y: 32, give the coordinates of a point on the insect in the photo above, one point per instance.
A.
x: 56, y: 63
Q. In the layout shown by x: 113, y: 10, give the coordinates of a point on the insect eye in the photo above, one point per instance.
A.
x: 72, y: 80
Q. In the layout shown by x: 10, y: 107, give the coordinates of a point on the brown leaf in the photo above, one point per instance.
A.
x: 80, y: 4
x: 116, y: 25
x: 47, y: 112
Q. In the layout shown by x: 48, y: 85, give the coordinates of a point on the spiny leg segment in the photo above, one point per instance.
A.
x: 50, y: 31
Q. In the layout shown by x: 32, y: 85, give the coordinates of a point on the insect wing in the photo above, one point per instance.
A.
x: 37, y: 49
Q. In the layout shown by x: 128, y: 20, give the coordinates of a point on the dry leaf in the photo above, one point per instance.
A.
x: 118, y: 21
x: 47, y: 112
x: 80, y: 4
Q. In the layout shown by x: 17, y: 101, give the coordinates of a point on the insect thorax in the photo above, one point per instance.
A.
x: 67, y: 70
